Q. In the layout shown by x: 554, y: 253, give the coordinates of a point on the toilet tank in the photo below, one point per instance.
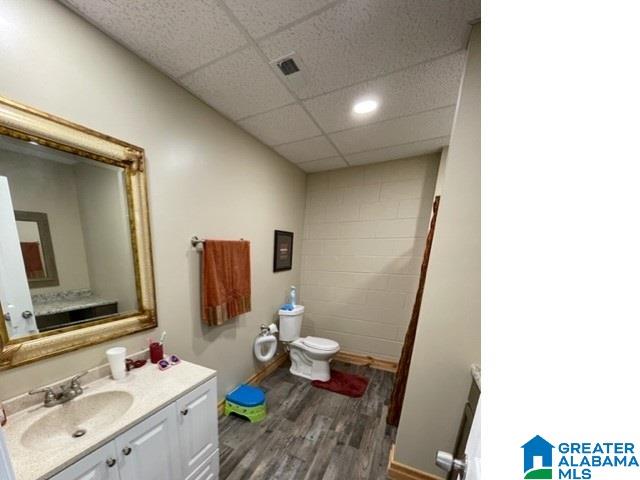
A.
x: 291, y: 323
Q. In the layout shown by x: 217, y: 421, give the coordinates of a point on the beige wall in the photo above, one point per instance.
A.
x: 448, y: 336
x: 105, y: 223
x: 206, y: 177
x: 442, y: 170
x: 365, y: 230
x: 41, y: 185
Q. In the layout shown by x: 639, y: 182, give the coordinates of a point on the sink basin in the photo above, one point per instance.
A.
x: 68, y: 422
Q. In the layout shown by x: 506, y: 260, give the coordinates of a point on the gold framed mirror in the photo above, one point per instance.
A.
x: 75, y: 247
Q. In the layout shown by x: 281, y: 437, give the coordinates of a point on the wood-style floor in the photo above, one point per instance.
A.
x: 311, y: 433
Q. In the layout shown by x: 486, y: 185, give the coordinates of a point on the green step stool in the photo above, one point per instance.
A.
x: 246, y: 401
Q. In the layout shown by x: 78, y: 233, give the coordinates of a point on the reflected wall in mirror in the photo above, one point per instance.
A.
x: 71, y: 224
x: 75, y: 246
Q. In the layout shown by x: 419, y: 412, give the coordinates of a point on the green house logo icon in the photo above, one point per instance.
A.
x: 538, y: 447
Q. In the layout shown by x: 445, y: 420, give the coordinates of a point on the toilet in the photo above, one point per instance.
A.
x: 310, y: 356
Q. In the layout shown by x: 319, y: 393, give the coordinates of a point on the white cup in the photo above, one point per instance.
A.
x: 116, y: 357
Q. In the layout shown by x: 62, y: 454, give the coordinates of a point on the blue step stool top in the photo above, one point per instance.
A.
x: 246, y: 396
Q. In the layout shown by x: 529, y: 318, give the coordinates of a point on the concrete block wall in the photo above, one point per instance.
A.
x: 364, y: 236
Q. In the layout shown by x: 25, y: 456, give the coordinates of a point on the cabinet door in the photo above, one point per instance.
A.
x: 6, y: 470
x: 99, y: 465
x: 149, y: 451
x: 197, y: 427
x: 208, y: 470
x: 14, y: 286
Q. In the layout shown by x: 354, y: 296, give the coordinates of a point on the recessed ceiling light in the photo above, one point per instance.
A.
x: 365, y: 106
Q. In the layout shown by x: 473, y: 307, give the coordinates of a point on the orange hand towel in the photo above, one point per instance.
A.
x: 225, y: 280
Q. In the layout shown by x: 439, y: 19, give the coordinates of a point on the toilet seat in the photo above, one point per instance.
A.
x: 328, y: 346
x: 270, y: 341
x: 318, y: 343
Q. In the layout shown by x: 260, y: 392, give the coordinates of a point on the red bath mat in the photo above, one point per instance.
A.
x: 344, y: 383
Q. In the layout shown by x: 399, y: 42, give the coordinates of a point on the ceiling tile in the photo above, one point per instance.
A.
x: 261, y: 18
x: 177, y: 37
x: 397, y: 151
x: 424, y: 126
x: 307, y: 150
x: 409, y: 53
x: 323, y: 164
x: 360, y: 39
x: 417, y: 89
x: 284, y: 125
x: 239, y: 85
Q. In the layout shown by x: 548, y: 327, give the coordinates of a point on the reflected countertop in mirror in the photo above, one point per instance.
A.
x: 67, y: 301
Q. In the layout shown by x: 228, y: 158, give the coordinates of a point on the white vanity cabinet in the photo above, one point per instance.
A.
x: 98, y: 465
x: 198, y: 448
x: 150, y: 449
x: 178, y: 442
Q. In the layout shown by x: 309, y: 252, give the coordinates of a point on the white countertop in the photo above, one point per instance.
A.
x: 151, y: 389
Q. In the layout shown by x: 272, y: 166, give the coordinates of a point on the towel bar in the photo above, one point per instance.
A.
x: 196, y: 242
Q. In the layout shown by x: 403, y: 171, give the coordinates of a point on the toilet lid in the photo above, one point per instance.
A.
x: 320, y: 343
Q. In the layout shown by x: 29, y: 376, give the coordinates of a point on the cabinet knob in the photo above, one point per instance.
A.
x: 111, y: 462
x: 185, y: 411
x: 126, y: 451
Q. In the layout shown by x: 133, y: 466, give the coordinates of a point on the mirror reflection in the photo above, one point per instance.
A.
x: 31, y: 246
x: 36, y: 248
x: 66, y: 255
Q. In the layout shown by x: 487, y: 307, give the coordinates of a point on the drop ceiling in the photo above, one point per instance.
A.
x: 407, y: 54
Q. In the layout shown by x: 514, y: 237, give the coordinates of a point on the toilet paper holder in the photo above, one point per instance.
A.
x: 270, y: 330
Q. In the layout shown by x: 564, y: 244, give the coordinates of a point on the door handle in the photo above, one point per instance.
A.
x: 446, y: 462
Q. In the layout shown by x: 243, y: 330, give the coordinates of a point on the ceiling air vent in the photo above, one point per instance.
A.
x: 288, y: 66
x: 292, y: 69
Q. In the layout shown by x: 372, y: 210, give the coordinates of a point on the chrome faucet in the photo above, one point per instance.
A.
x: 66, y: 393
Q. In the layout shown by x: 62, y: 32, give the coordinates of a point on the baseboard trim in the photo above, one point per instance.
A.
x: 260, y: 375
x: 368, y: 360
x: 400, y: 471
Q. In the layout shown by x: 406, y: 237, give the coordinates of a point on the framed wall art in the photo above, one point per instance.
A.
x: 282, y: 251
